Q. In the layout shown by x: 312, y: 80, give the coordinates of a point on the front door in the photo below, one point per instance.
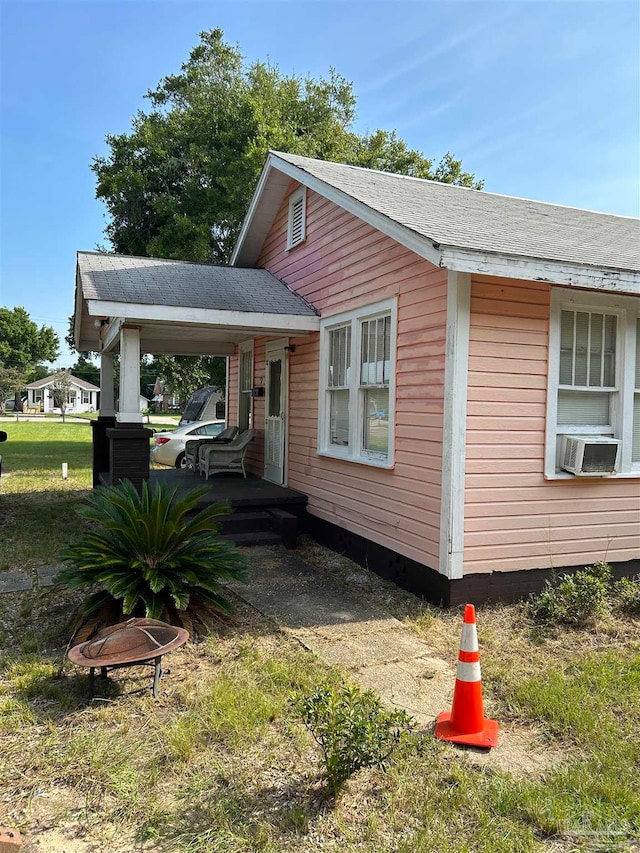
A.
x: 275, y: 412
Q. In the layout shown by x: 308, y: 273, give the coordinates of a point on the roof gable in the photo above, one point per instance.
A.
x: 459, y: 228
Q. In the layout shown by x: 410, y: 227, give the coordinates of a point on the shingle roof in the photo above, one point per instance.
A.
x: 481, y: 221
x: 157, y: 281
x: 81, y: 383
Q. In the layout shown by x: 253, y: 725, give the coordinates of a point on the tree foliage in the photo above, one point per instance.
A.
x: 178, y: 185
x: 61, y: 387
x: 181, y: 375
x: 12, y: 380
x: 22, y: 343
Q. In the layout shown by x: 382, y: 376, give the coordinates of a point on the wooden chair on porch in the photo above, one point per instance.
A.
x: 216, y: 459
x: 193, y: 447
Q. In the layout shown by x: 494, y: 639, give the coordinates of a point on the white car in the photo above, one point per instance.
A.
x: 168, y: 447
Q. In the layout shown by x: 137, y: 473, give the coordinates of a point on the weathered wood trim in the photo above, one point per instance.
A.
x: 537, y: 269
x: 257, y: 321
x: 111, y: 336
x: 454, y: 424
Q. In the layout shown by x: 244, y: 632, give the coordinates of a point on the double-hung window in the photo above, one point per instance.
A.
x: 86, y: 397
x: 357, y: 385
x: 594, y: 375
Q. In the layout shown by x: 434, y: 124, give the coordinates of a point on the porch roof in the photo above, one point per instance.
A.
x: 182, y: 308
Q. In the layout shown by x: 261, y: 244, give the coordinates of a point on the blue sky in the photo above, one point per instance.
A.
x: 540, y: 99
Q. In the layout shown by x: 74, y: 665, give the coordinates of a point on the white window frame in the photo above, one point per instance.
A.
x: 355, y: 452
x: 85, y: 397
x: 38, y: 395
x: 627, y: 311
x: 244, y: 347
x: 293, y: 199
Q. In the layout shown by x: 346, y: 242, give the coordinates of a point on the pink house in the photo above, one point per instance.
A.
x: 460, y: 397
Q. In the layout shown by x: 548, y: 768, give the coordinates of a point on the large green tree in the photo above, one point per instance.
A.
x: 22, y: 343
x: 178, y: 185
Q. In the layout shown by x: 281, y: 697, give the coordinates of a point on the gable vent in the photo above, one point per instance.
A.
x: 296, y: 229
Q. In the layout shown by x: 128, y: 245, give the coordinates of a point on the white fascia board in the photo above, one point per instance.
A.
x: 77, y: 319
x: 536, y: 269
x: 249, y: 217
x: 422, y: 246
x: 211, y: 317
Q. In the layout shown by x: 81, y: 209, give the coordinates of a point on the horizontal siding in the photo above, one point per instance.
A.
x: 346, y: 264
x: 514, y: 518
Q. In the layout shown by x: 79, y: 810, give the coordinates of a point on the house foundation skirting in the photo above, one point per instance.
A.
x: 434, y: 587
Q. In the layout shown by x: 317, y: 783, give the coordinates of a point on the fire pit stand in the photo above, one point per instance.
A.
x: 138, y: 642
x: 156, y: 663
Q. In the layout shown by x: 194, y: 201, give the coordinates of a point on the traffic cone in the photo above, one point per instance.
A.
x: 466, y: 723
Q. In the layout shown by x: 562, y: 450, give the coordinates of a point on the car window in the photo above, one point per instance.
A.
x: 202, y: 430
x: 214, y: 429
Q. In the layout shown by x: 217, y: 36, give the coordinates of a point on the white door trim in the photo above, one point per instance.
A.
x: 277, y: 348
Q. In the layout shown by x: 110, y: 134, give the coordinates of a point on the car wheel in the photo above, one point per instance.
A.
x: 181, y: 462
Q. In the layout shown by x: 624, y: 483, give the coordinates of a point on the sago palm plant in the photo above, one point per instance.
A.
x: 145, y: 551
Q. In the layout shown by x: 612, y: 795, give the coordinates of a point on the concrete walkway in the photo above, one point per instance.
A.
x: 346, y: 630
x: 343, y: 628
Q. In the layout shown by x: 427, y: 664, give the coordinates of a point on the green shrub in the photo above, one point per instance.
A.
x: 144, y: 550
x: 578, y: 599
x: 352, y: 729
x: 626, y: 594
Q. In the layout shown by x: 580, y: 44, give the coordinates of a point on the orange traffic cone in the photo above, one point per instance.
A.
x: 466, y: 722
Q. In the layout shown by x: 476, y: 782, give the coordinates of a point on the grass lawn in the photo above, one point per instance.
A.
x: 220, y: 762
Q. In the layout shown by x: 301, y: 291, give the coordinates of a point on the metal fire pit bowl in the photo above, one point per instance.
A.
x: 133, y: 643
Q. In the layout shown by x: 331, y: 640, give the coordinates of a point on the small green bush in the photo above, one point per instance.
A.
x: 352, y: 729
x: 578, y: 599
x: 626, y: 594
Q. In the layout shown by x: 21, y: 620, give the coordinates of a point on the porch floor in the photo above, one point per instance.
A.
x: 240, y: 493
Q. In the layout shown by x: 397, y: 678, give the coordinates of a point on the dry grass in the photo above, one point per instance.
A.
x: 221, y: 763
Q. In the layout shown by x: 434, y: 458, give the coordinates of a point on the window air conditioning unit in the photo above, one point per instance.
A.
x: 589, y: 456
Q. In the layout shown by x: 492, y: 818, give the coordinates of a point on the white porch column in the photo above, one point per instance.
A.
x: 129, y: 398
x: 107, y: 403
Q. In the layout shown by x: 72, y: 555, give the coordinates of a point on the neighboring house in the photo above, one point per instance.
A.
x: 82, y: 397
x: 452, y: 377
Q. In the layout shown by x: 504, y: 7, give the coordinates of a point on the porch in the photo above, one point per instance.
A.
x: 129, y: 306
x: 261, y: 513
